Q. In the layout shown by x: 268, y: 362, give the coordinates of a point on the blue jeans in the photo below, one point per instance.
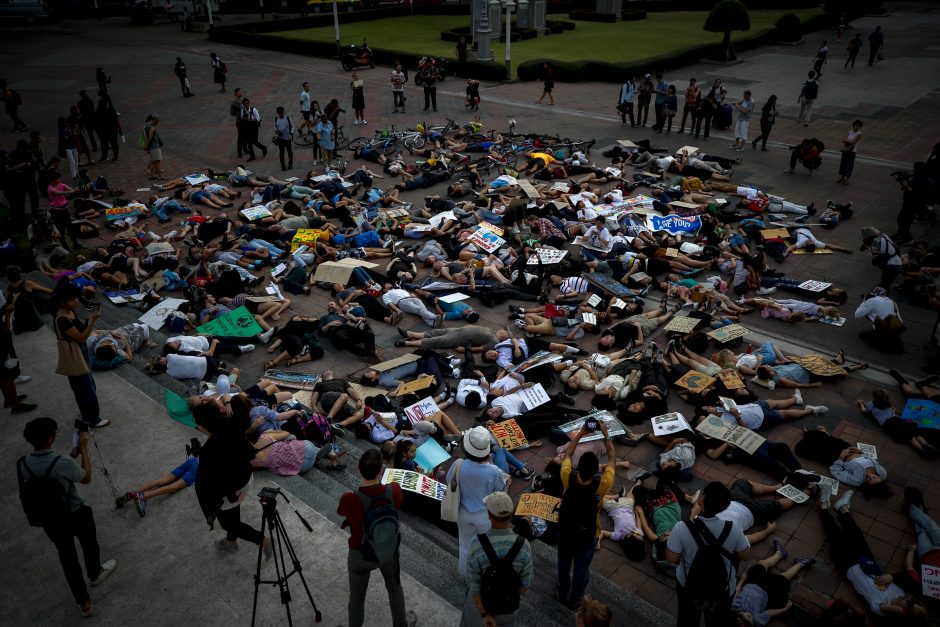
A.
x: 489, y: 216
x: 260, y: 243
x: 170, y: 205
x: 360, y: 277
x: 570, y: 586
x: 505, y: 460
x: 928, y: 534
x: 86, y: 397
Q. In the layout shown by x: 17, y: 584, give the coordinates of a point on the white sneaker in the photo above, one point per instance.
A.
x: 845, y: 501
x: 23, y: 378
x: 365, y: 121
x: 766, y: 291
x: 818, y: 410
x: 246, y: 348
x: 266, y: 336
x: 170, y: 235
x: 154, y: 236
x: 798, y: 396
x: 106, y: 569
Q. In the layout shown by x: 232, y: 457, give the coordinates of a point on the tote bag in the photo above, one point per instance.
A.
x: 71, y: 361
x: 451, y: 502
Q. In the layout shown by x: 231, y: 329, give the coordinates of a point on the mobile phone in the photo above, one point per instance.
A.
x: 591, y: 424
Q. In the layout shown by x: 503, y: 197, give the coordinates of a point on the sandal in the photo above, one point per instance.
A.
x: 269, y: 364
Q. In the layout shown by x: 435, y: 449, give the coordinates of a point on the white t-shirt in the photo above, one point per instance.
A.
x: 305, y: 101
x: 681, y: 541
x: 749, y: 361
x: 512, y: 405
x: 186, y: 367
x: 88, y: 266
x: 505, y: 383
x: 876, y: 307
x: 392, y: 297
x: 865, y: 586
x: 738, y: 514
x: 464, y: 387
x: 191, y: 343
x: 751, y: 415
x: 747, y: 192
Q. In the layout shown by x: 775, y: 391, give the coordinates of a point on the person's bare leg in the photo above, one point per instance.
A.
x: 170, y: 488
x: 771, y: 561
x: 759, y: 536
x: 262, y: 322
x: 781, y: 403
x: 156, y: 483
x: 795, y: 414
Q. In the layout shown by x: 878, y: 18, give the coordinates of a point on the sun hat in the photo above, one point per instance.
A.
x: 476, y: 442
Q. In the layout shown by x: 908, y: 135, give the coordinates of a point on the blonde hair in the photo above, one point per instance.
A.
x: 593, y: 613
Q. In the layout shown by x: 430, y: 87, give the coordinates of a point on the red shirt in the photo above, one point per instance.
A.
x: 350, y: 508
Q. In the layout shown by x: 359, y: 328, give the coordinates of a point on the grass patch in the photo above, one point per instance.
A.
x: 624, y: 42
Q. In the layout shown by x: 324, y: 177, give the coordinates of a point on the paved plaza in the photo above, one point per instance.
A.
x: 170, y: 572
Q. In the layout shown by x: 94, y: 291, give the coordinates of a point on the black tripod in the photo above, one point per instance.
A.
x: 271, y: 521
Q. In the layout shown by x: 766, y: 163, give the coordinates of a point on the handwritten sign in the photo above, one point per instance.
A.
x: 731, y: 379
x: 394, y: 363
x: 819, y: 365
x: 814, y: 286
x: 539, y: 505
x: 682, y: 324
x: 930, y: 580
x: 781, y: 233
x: 528, y: 189
x: 741, y: 437
x: 415, y: 482
x: 547, y: 255
x: 422, y: 410
x: 236, y: 323
x: 727, y: 333
x: 305, y: 237
x: 794, y: 494
x: 670, y: 423
x: 509, y: 434
x: 255, y: 213
x: 158, y: 314
x: 534, y: 396
x: 695, y: 381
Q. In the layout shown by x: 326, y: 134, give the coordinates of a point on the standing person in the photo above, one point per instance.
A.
x: 672, y: 107
x: 59, y: 510
x: 822, y: 53
x: 234, y: 110
x: 68, y: 145
x: 315, y: 114
x: 86, y: 109
x: 103, y: 81
x: 71, y: 333
x: 431, y: 77
x: 12, y: 101
x: 644, y: 95
x: 855, y: 45
x: 915, y: 189
x: 547, y: 76
x: 808, y: 94
x: 693, y: 100
x: 768, y: 115
x: 659, y: 104
x: 709, y: 109
x: 150, y: 139
x: 326, y: 133
x: 849, y: 148
x: 305, y: 101
x: 875, y: 42
x: 475, y: 477
x: 284, y: 137
x: 10, y: 365
x: 884, y: 254
x: 461, y: 56
x: 108, y: 125
x: 398, y: 79
x: 473, y: 94
x: 332, y: 111
x: 625, y: 102
x: 707, y: 550
x: 745, y: 107
x: 219, y: 70
x: 499, y: 568
x: 371, y: 514
x: 250, y: 120
x: 20, y: 181
x: 357, y: 85
x: 579, y: 517
x: 57, y: 193
x: 180, y: 70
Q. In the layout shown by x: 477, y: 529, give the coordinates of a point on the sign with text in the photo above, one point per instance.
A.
x: 539, y: 505
x: 547, y: 255
x: 236, y: 323
x: 613, y: 426
x: 670, y: 423
x: 255, y: 213
x: 421, y: 383
x: 159, y: 312
x: 422, y: 410
x: 682, y: 324
x: 930, y: 580
x: 727, y: 333
x: 731, y: 379
x: 415, y: 482
x: 741, y: 437
x: 509, y: 434
x: 674, y: 225
x: 694, y: 381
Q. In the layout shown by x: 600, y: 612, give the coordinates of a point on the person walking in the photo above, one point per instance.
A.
x: 822, y: 54
x: 625, y: 102
x: 745, y: 108
x: 398, y: 79
x: 284, y: 137
x: 876, y: 41
x: 915, y: 188
x: 12, y: 101
x: 432, y: 76
x: 86, y: 111
x: 357, y: 85
x: 250, y: 120
x: 849, y: 149
x: 108, y: 125
x: 371, y: 515
x: 768, y: 115
x: 808, y: 94
x: 219, y: 70
x: 547, y: 76
x: 51, y: 501
x: 103, y: 81
x: 707, y: 550
x: 475, y: 477
x: 855, y: 45
x: 71, y: 334
x: 693, y: 100
x: 151, y: 142
x: 659, y: 104
x: 305, y: 101
x: 499, y: 568
x: 180, y: 70
x: 579, y: 517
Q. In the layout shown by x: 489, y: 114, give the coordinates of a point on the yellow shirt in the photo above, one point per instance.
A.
x: 546, y: 158
x: 606, y: 483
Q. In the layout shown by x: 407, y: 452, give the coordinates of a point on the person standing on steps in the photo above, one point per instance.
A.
x: 625, y: 102
x: 305, y: 102
x: 154, y: 147
x: 86, y: 109
x: 180, y: 70
x: 499, y: 568
x: 876, y: 42
x: 854, y: 47
x: 849, y: 149
x: 398, y: 79
x: 250, y: 120
x: 579, y: 516
x: 768, y: 116
x: 461, y: 57
x: 284, y: 137
x: 659, y: 104
x: 644, y: 95
x: 808, y: 94
x: 234, y: 110
x: 693, y: 99
x: 371, y: 515
x: 47, y: 482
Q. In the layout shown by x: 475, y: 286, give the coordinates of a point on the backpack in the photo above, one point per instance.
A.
x: 500, y: 583
x: 702, y: 579
x: 142, y: 140
x: 810, y: 90
x: 577, y: 518
x: 317, y: 430
x: 45, y: 501
x: 380, y: 527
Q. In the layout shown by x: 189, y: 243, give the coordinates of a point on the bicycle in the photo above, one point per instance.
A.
x: 308, y: 138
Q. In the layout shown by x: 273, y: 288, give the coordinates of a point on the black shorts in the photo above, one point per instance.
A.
x: 305, y: 114
x: 776, y: 586
x: 763, y: 510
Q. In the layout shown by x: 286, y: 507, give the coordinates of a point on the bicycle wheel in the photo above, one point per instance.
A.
x: 304, y: 139
x: 359, y: 142
x: 388, y: 147
x: 511, y: 158
x: 415, y: 142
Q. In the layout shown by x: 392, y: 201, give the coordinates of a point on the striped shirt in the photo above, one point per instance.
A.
x: 502, y: 540
x: 574, y: 284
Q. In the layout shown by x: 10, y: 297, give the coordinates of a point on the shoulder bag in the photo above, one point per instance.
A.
x: 71, y: 360
x: 451, y: 502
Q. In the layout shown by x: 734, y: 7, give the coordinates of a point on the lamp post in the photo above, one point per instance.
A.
x: 339, y: 52
x: 484, y: 51
x: 508, y: 29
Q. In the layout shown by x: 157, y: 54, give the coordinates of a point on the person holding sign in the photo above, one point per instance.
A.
x: 766, y: 414
x: 846, y: 463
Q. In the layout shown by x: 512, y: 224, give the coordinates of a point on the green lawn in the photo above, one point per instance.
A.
x: 657, y: 35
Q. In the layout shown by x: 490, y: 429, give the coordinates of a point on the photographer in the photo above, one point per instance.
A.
x: 223, y: 479
x: 886, y: 323
x: 884, y: 254
x: 58, y: 509
x: 915, y: 187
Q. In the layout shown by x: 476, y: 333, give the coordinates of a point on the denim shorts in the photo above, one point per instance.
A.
x: 772, y: 417
x: 187, y: 470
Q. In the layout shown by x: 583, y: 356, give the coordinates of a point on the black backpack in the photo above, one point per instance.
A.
x: 577, y: 517
x: 44, y: 498
x: 380, y: 527
x: 500, y: 583
x: 707, y: 577
x: 810, y: 90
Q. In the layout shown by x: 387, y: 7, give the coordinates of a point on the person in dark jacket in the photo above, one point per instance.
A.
x: 180, y: 70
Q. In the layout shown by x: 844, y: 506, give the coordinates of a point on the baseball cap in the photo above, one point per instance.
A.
x: 499, y: 504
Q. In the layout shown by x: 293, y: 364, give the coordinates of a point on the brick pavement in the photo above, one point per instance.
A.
x: 895, y: 100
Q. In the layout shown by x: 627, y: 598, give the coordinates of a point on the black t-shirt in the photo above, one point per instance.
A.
x: 63, y: 324
x: 623, y: 334
x: 331, y: 385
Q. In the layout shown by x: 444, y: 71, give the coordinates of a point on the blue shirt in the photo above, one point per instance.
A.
x: 325, y: 130
x: 661, y: 86
x: 476, y: 482
x: 454, y: 311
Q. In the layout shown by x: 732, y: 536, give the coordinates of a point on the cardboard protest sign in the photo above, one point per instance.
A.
x: 741, y: 437
x: 539, y: 505
x: 155, y: 248
x: 607, y: 284
x: 423, y: 409
x: 682, y: 324
x: 541, y: 357
x: 674, y: 225
x: 727, y: 333
x: 626, y: 143
x: 681, y: 204
x: 695, y: 381
x: 613, y: 426
x: 782, y: 233
x: 421, y: 383
x: 157, y: 315
x: 930, y: 580
x: 509, y: 435
x: 430, y: 455
x: 304, y: 237
x: 814, y: 286
x: 122, y: 213
x: 196, y: 179
x: 534, y: 396
x: 689, y: 151
x: 731, y: 379
x: 868, y: 450
x: 794, y: 494
x: 924, y: 413
x: 415, y: 482
x: 333, y: 272
x: 255, y: 213
x: 528, y: 189
x: 547, y: 255
x: 394, y: 363
x: 559, y: 186
x: 292, y: 380
x: 673, y: 422
x: 819, y: 365
x: 236, y: 323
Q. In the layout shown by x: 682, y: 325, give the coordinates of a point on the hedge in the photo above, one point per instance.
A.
x: 788, y: 28
x: 591, y: 16
x: 632, y: 16
x: 517, y: 34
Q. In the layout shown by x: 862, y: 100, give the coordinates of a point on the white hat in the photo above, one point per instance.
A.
x: 575, y: 162
x: 499, y: 504
x: 476, y: 442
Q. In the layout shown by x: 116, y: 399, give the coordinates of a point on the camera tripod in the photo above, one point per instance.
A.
x: 280, y: 544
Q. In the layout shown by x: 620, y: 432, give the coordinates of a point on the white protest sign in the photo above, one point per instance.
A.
x: 423, y: 409
x: 868, y: 450
x: 547, y: 255
x: 534, y: 396
x: 196, y: 179
x: 594, y: 300
x: 814, y: 286
x: 930, y: 580
x: 157, y: 316
x: 453, y: 298
x: 667, y: 424
x: 255, y: 213
x: 794, y: 494
x: 613, y: 426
